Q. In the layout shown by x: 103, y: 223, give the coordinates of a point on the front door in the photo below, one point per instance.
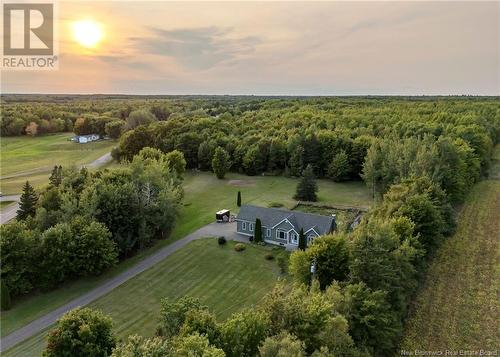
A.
x: 293, y: 238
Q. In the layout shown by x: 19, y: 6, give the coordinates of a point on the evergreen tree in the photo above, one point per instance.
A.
x: 56, y: 176
x: 307, y: 187
x: 302, y: 240
x: 257, y: 237
x: 27, y: 203
x: 238, y: 200
x: 5, y: 296
x: 220, y: 162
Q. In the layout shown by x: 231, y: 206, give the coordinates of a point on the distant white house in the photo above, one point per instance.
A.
x: 83, y: 139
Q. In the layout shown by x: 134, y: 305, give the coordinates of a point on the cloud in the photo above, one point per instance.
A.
x: 197, y: 48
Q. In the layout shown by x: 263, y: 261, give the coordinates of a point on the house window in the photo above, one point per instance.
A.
x: 310, y: 238
x: 244, y: 226
x: 251, y: 227
x: 268, y: 233
x: 280, y: 234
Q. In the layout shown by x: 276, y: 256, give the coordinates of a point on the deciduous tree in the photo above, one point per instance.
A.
x: 81, y: 332
x: 140, y: 117
x: 220, y: 162
x: 339, y: 168
x: 173, y: 314
x: 138, y: 346
x: 114, y: 128
x: 282, y: 345
x: 243, y: 332
x: 31, y: 129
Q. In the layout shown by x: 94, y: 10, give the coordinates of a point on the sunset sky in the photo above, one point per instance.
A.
x: 278, y: 48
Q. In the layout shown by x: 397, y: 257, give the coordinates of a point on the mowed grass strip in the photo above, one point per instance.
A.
x: 458, y: 307
x: 223, y: 279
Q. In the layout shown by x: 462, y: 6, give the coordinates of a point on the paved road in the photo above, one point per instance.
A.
x: 8, y: 198
x: 104, y: 159
x: 212, y: 229
x: 10, y: 211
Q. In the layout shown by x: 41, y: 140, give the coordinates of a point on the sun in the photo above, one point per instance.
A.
x: 87, y: 33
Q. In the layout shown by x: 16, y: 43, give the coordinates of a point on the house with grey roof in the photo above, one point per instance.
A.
x: 282, y: 227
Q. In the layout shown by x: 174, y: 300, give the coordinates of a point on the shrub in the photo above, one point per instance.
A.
x: 269, y: 256
x: 239, y: 247
x: 282, y: 263
x: 221, y: 240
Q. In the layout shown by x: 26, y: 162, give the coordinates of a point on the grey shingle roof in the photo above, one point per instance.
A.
x: 272, y: 216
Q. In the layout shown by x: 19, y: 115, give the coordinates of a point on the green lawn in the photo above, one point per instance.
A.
x: 32, y: 158
x: 459, y: 305
x: 223, y: 279
x: 204, y: 195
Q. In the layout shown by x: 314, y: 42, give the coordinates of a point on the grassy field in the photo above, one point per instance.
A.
x: 458, y: 307
x: 204, y: 195
x: 30, y: 158
x: 223, y: 279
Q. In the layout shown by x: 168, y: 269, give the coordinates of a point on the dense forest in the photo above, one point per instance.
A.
x: 272, y: 135
x: 420, y: 156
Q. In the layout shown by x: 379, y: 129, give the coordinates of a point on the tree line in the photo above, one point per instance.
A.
x: 83, y: 223
x: 104, y: 115
x: 330, y: 134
